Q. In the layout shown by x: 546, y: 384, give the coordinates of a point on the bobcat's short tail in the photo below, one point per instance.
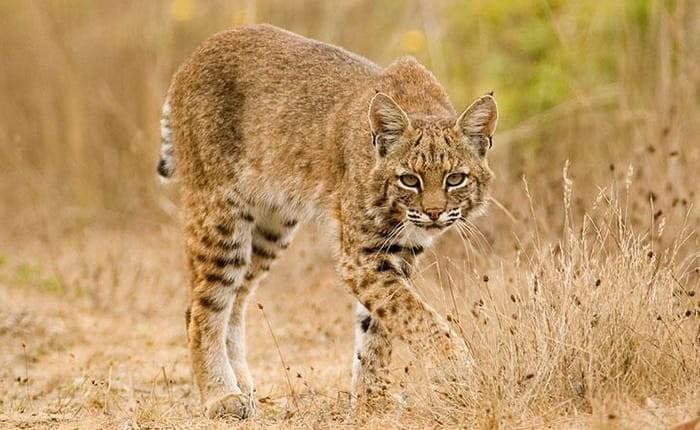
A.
x: 166, y: 164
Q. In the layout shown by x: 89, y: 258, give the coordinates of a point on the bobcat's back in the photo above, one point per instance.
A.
x: 263, y: 94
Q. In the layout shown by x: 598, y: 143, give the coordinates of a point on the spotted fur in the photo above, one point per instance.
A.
x: 268, y: 129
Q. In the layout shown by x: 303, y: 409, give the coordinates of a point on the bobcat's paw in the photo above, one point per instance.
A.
x: 374, y: 397
x: 233, y: 405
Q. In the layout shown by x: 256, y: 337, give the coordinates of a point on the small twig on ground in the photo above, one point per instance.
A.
x: 279, y: 352
x: 26, y: 362
x: 25, y: 381
x: 167, y: 383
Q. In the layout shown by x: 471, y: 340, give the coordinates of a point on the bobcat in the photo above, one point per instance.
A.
x: 267, y: 129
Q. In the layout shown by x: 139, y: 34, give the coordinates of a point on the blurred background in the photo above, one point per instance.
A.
x: 598, y: 107
x: 596, y: 82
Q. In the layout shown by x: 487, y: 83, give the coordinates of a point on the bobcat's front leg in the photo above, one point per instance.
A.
x: 371, y: 359
x: 390, y: 308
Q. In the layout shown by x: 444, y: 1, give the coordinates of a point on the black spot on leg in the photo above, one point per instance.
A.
x: 222, y: 262
x: 225, y: 245
x: 163, y: 169
x: 211, y: 304
x: 381, y: 312
x: 215, y: 278
x: 290, y: 223
x: 268, y: 235
x: 364, y: 324
x: 188, y: 317
x: 247, y: 217
x: 263, y: 253
x: 223, y: 230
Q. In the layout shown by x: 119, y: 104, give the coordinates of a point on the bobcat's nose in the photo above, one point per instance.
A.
x: 434, y: 213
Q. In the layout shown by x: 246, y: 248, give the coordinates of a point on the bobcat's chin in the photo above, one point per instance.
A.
x: 420, y: 235
x: 432, y: 227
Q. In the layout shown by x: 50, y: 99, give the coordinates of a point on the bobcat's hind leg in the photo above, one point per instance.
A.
x: 271, y: 234
x: 219, y: 232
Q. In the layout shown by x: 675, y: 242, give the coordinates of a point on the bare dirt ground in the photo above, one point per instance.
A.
x: 92, y: 336
x: 108, y: 349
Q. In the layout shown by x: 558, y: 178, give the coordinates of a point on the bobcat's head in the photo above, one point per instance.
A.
x: 434, y: 168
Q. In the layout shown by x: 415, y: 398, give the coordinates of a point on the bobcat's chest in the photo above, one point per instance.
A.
x: 413, y: 237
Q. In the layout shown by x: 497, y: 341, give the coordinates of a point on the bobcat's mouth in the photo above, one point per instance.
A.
x: 433, y: 225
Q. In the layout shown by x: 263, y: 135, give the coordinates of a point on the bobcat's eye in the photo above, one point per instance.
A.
x: 409, y: 181
x: 455, y: 179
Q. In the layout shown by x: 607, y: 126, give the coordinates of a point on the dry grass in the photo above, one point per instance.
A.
x: 579, y: 294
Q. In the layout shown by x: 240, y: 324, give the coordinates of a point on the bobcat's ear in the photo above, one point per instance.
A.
x: 478, y: 123
x: 387, y: 120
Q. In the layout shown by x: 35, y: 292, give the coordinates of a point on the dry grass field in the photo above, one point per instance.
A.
x: 578, y: 294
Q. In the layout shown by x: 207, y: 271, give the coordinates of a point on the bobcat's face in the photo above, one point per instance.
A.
x: 435, y: 168
x: 437, y: 179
